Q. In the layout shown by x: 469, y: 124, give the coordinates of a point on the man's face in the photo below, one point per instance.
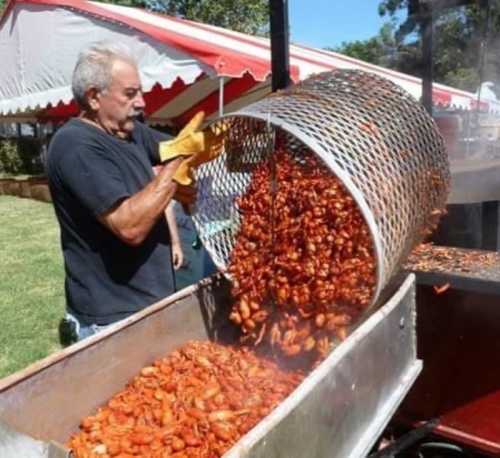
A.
x: 122, y: 101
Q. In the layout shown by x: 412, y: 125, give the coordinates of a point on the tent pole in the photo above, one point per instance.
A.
x: 280, y: 56
x: 427, y: 25
x: 221, y: 96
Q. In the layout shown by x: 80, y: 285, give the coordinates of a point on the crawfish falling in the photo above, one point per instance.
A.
x: 301, y: 279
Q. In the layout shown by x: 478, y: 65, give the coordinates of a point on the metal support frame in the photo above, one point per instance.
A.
x: 221, y: 95
x: 427, y: 25
x: 280, y: 56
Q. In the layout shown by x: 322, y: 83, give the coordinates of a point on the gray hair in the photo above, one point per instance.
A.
x: 93, y: 68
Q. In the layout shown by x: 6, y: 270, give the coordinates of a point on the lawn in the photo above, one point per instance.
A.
x: 31, y: 282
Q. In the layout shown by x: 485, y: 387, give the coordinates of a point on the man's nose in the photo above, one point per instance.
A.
x: 139, y: 102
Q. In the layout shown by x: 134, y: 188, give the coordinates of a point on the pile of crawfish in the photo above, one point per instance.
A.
x: 195, y: 403
x: 303, y: 267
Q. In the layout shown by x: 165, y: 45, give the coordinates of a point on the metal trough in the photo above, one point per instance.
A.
x: 338, y: 411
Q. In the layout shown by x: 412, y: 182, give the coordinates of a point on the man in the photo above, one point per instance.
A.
x: 109, y: 204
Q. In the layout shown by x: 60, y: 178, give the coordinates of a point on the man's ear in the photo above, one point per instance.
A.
x: 93, y: 99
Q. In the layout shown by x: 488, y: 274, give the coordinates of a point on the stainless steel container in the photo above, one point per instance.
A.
x: 338, y: 411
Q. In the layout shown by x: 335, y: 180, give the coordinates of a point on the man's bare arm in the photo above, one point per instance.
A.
x: 175, y: 242
x: 133, y: 218
x: 172, y: 223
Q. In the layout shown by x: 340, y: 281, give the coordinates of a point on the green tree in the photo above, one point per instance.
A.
x: 387, y: 49
x: 390, y: 7
x: 465, y: 52
x: 367, y: 50
x: 248, y: 16
x: 380, y: 50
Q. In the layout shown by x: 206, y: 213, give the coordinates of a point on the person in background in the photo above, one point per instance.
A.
x: 177, y: 253
x: 109, y: 204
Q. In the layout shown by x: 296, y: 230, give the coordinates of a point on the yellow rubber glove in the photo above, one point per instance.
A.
x: 198, y: 147
x: 184, y: 174
x: 188, y: 142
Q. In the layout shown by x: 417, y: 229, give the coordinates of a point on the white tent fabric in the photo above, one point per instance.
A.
x: 40, y: 41
x: 37, y: 66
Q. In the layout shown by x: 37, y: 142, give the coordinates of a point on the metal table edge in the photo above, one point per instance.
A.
x: 388, y: 411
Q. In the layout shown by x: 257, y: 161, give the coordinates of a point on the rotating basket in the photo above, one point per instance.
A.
x: 376, y: 138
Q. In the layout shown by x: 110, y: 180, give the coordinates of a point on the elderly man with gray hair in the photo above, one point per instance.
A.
x: 109, y: 204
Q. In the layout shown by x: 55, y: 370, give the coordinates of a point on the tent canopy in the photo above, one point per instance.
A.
x: 183, y: 64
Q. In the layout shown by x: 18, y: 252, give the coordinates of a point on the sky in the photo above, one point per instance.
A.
x: 321, y: 23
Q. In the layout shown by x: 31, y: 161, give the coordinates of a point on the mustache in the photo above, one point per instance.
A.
x: 136, y: 114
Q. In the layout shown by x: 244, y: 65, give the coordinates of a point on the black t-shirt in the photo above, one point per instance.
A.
x: 89, y: 172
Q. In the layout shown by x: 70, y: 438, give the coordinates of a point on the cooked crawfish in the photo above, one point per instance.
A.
x: 305, y: 253
x: 196, y: 402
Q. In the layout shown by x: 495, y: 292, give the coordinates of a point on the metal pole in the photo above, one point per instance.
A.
x: 221, y: 95
x: 426, y: 8
x: 427, y: 76
x: 280, y: 57
x: 483, y: 52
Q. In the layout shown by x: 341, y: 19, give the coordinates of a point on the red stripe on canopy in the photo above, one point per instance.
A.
x: 60, y: 113
x: 441, y: 98
x: 159, y: 97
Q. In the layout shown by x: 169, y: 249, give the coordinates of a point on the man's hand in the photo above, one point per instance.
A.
x: 186, y: 195
x: 177, y: 255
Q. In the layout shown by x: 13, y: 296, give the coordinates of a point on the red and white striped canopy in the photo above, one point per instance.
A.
x: 185, y: 66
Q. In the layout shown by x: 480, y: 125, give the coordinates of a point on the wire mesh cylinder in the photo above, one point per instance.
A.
x: 371, y: 134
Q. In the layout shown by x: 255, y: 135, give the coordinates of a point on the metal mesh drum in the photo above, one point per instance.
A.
x: 370, y: 133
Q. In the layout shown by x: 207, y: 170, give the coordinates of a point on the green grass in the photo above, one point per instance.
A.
x: 31, y: 283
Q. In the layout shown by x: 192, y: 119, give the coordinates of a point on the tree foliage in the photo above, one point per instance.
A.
x: 390, y: 7
x: 248, y: 16
x: 387, y: 49
x: 380, y: 50
x: 465, y: 50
